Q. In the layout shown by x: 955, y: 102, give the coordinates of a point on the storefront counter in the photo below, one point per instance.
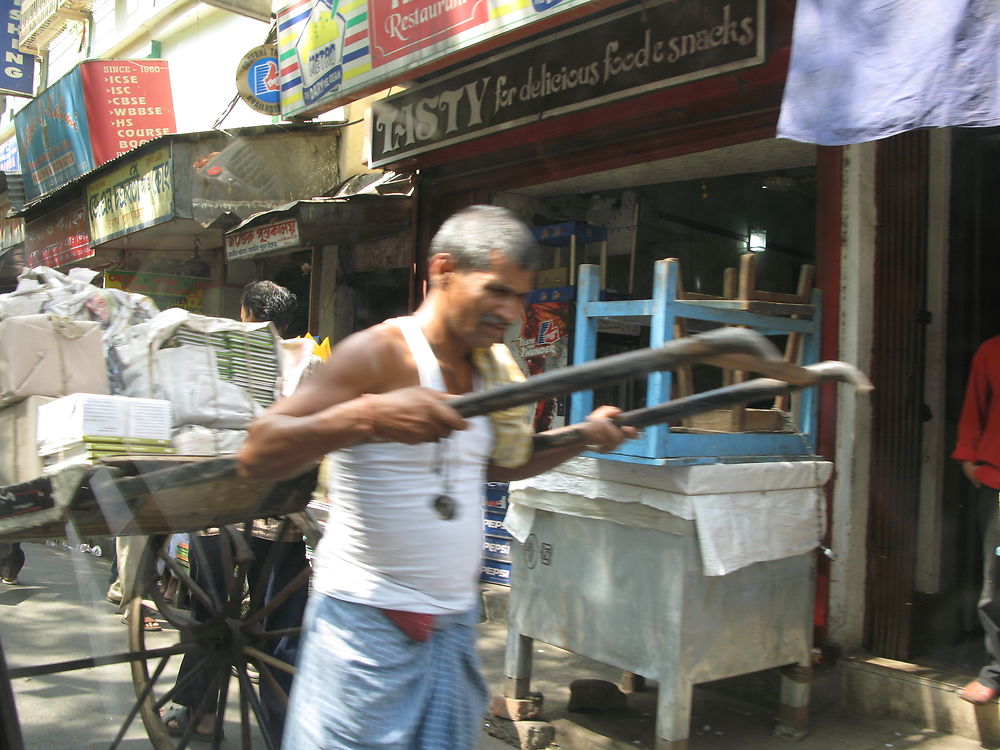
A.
x: 681, y: 574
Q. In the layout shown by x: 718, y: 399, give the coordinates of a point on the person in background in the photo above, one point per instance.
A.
x: 11, y: 562
x: 389, y: 655
x: 261, y: 302
x: 978, y: 451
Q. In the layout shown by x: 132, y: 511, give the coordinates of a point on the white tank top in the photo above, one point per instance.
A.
x: 385, y: 544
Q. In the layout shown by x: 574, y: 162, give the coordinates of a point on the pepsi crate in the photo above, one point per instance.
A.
x: 493, y: 525
x: 496, y: 496
x: 497, y: 548
x: 495, y: 571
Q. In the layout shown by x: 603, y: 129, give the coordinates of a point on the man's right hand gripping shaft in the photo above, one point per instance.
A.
x: 282, y: 444
x: 412, y: 415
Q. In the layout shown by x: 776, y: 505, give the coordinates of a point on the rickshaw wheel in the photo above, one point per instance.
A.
x: 224, y: 641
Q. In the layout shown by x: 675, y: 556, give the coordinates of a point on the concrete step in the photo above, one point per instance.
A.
x: 886, y: 688
x: 861, y: 702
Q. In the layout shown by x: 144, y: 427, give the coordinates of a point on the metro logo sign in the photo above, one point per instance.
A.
x: 402, y: 27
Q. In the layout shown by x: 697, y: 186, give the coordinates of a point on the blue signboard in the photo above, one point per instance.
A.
x: 53, y: 137
x: 10, y: 160
x: 17, y: 70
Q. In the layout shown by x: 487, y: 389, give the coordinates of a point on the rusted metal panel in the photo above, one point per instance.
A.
x: 897, y: 403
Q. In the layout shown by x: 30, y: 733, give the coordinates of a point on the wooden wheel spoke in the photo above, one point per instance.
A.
x: 147, y: 689
x: 246, y: 688
x: 258, y: 590
x: 198, y: 713
x: 259, y: 657
x: 245, y: 717
x: 220, y: 709
x: 278, y: 599
x: 197, y: 591
x: 265, y: 672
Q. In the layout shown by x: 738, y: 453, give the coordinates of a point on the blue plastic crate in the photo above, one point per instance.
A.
x: 493, y: 525
x: 496, y: 496
x: 495, y: 571
x: 497, y: 548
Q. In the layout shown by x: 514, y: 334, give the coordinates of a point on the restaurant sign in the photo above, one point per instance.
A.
x: 262, y: 240
x: 58, y: 237
x: 137, y: 195
x: 621, y: 55
x: 333, y: 51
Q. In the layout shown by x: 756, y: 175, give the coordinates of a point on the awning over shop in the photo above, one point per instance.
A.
x: 181, y: 192
x: 319, y: 221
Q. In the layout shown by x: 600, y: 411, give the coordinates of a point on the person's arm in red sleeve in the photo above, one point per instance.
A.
x: 975, y: 409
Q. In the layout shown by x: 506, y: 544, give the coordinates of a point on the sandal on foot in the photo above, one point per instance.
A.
x: 176, y: 720
x: 149, y: 624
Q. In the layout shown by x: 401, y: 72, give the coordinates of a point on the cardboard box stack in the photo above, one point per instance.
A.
x: 42, y: 357
x: 46, y: 355
x: 83, y: 428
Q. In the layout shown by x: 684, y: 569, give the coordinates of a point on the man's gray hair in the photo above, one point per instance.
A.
x: 473, y: 234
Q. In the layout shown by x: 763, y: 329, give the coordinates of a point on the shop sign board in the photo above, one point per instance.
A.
x: 257, y: 79
x: 165, y: 290
x: 10, y: 160
x: 129, y: 102
x: 17, y: 73
x: 53, y: 137
x: 58, y: 237
x: 137, y: 195
x: 624, y: 54
x: 333, y: 51
x: 262, y: 240
x: 96, y: 112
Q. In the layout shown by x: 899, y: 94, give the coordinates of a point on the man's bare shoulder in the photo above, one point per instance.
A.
x: 380, y: 344
x: 373, y: 360
x: 370, y: 361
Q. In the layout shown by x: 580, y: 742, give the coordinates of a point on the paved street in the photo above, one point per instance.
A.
x: 59, y: 613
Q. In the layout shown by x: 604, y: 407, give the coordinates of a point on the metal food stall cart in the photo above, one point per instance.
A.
x: 682, y: 575
x: 689, y: 556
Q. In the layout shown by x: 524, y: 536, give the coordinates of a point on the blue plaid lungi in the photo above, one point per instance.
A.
x: 362, y: 684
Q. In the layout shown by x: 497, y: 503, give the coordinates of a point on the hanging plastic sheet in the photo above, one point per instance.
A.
x: 867, y: 69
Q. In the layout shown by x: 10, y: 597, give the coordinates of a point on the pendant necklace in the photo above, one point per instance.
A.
x: 444, y: 504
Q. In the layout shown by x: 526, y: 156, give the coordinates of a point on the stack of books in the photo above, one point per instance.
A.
x: 85, y: 427
x: 245, y: 358
x: 90, y: 449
